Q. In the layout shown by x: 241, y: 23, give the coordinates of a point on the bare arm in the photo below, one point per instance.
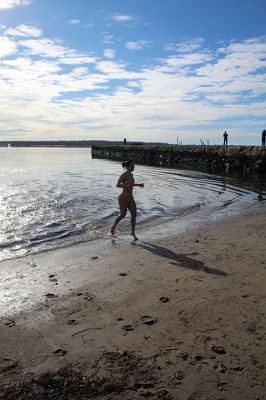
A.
x: 121, y: 183
x: 139, y: 185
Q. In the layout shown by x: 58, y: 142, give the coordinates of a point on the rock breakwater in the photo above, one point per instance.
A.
x: 249, y: 159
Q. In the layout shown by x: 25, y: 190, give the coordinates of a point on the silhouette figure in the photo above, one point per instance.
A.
x: 225, y: 135
x: 263, y: 136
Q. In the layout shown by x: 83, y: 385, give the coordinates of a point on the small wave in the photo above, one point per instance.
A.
x: 189, y: 210
x: 5, y: 245
x: 53, y: 236
x: 53, y: 224
x: 227, y: 203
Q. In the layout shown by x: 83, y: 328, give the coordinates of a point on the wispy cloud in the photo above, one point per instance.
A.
x: 74, y: 21
x: 109, y: 53
x: 138, y: 45
x: 122, y: 17
x: 49, y: 48
x: 24, y: 31
x: 108, y: 39
x: 187, y: 46
x: 188, y: 59
x: 78, y: 22
x: 7, y: 4
x: 114, y: 70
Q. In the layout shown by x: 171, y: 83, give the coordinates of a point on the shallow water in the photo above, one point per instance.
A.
x: 55, y: 197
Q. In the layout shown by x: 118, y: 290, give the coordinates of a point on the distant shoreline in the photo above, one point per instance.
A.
x: 90, y: 143
x: 66, y: 143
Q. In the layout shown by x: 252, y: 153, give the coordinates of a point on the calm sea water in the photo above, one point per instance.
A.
x: 55, y: 197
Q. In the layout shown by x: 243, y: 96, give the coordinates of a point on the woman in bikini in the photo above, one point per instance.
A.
x: 125, y: 199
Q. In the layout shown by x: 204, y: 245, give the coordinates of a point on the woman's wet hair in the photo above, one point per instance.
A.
x: 126, y: 164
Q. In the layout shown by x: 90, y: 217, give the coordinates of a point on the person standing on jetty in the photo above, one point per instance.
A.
x: 225, y: 135
x: 125, y: 199
x: 263, y: 137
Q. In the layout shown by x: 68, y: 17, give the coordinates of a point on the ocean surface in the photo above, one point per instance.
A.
x: 56, y: 197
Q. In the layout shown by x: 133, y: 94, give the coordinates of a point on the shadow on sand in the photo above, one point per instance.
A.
x: 181, y: 260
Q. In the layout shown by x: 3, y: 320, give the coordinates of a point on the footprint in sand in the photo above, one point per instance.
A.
x: 60, y: 352
x: 164, y: 299
x: 10, y: 323
x: 72, y: 322
x: 50, y: 295
x: 128, y: 328
x: 148, y: 320
x: 237, y: 370
x: 218, y: 349
x: 52, y: 278
x: 88, y: 297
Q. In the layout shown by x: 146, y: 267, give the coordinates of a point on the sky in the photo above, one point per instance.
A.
x: 145, y: 70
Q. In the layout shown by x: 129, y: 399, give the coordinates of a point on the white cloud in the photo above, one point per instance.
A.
x: 138, y: 45
x: 49, y: 48
x: 24, y: 31
x: 109, y: 53
x: 186, y: 46
x: 240, y: 63
x: 74, y: 21
x: 111, y: 68
x: 175, y: 94
x: 7, y: 47
x: 75, y: 58
x: 122, y: 18
x: 7, y: 4
x: 188, y: 59
x: 44, y: 48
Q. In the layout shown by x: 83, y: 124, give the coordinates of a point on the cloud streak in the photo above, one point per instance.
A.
x: 25, y: 31
x: 74, y: 21
x: 138, y: 45
x: 122, y: 18
x: 48, y: 48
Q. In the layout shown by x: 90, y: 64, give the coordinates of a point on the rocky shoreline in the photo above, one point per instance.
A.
x: 215, y: 159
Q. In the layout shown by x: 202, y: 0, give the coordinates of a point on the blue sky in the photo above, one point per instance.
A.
x: 146, y: 70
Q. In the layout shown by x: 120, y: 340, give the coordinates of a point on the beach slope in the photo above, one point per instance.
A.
x: 180, y: 318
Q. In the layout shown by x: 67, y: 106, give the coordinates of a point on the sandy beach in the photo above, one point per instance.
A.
x: 178, y: 318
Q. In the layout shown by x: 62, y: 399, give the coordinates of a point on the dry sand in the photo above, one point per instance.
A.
x: 182, y: 318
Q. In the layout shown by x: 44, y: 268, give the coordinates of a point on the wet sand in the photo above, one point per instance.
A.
x: 180, y: 318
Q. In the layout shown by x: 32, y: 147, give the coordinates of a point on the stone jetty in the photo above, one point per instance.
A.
x: 242, y: 159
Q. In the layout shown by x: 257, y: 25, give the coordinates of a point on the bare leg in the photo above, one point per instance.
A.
x: 133, y: 210
x: 123, y: 211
